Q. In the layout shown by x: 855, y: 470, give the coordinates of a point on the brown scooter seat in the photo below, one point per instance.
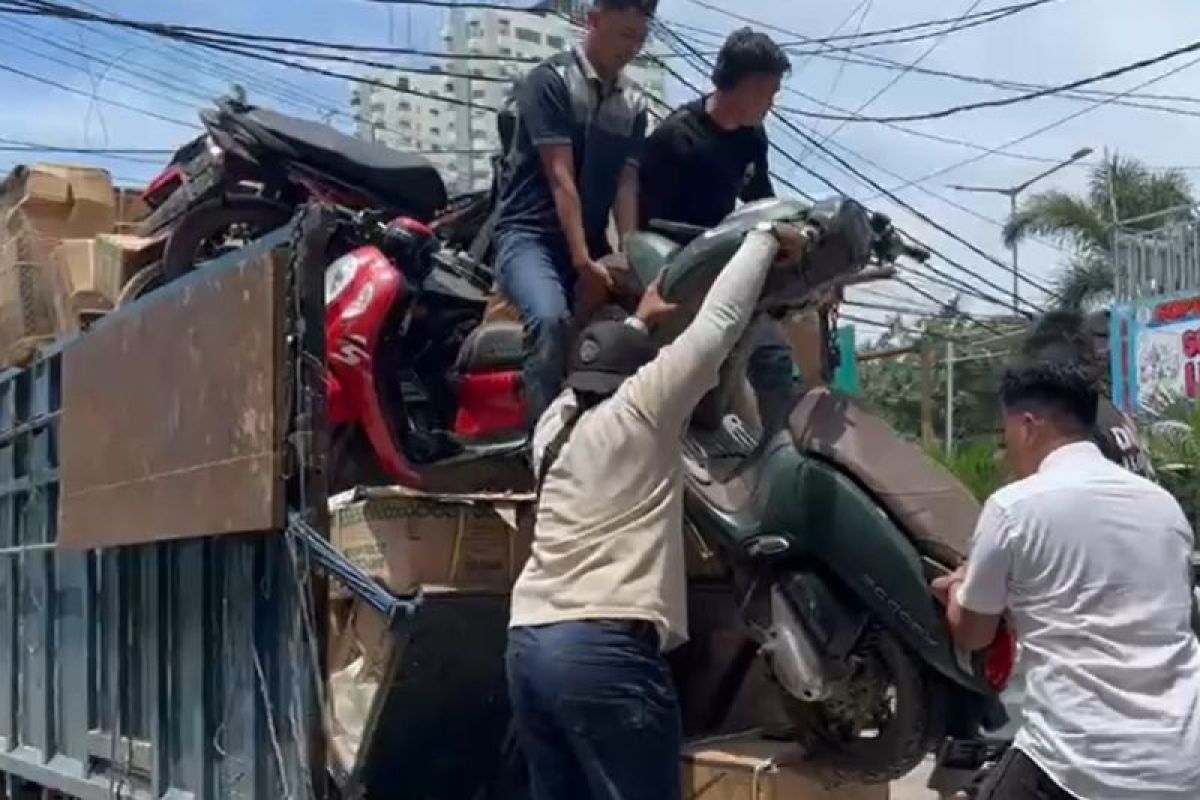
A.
x: 935, y: 510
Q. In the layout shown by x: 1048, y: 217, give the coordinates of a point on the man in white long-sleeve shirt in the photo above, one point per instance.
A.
x: 604, y: 593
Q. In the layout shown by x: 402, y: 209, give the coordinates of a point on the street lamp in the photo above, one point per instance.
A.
x: 1011, y: 193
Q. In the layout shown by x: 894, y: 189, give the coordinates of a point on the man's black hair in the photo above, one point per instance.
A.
x: 747, y: 52
x: 647, y: 7
x: 1059, y: 386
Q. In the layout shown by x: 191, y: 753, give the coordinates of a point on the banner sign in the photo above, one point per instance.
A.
x: 1155, y: 346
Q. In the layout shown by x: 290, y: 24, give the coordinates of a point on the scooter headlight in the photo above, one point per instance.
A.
x: 338, y: 276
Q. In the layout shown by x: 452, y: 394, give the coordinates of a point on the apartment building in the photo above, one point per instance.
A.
x: 461, y: 136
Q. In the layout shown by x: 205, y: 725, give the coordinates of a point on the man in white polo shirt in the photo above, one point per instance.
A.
x: 1090, y: 563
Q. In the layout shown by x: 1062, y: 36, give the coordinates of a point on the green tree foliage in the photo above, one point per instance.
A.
x: 1174, y: 440
x: 892, y: 386
x: 1118, y: 189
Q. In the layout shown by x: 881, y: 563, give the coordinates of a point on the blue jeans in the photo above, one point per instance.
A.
x: 534, y: 273
x: 595, y: 711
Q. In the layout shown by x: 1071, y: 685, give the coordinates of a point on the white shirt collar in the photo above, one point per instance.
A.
x: 1070, y: 454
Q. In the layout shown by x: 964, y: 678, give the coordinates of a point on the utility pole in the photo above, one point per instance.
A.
x: 928, y: 361
x: 949, y: 398
x: 1011, y: 193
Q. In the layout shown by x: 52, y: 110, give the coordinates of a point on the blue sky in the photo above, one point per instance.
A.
x: 1058, y: 42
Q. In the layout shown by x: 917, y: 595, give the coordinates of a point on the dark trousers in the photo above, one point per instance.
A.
x: 1017, y: 777
x: 595, y: 711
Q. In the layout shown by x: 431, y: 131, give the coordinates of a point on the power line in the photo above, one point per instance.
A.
x: 897, y: 78
x: 1045, y: 128
x: 866, y: 179
x: 881, y: 62
x: 167, y: 32
x: 1022, y: 98
x: 272, y: 86
x: 72, y: 90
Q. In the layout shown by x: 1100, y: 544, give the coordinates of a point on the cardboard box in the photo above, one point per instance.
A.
x: 75, y: 281
x: 51, y: 201
x: 366, y: 648
x: 752, y: 768
x: 409, y: 539
x: 26, y: 306
x: 121, y: 256
x: 130, y: 208
x: 44, y: 204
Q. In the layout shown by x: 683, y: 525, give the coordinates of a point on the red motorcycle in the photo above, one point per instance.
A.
x: 253, y: 167
x: 419, y: 393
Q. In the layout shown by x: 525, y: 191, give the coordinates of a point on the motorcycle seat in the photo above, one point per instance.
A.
x: 406, y: 181
x: 935, y: 511
x: 492, y: 347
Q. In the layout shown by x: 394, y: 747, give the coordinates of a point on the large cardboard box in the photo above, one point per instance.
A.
x: 51, y: 201
x: 410, y: 539
x: 75, y: 281
x: 43, y: 204
x: 26, y: 306
x: 753, y: 768
x: 121, y: 256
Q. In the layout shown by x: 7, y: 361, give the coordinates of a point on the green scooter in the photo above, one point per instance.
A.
x: 835, y: 526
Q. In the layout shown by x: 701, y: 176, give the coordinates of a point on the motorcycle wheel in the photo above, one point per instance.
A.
x: 143, y: 283
x: 217, y: 227
x: 884, y: 721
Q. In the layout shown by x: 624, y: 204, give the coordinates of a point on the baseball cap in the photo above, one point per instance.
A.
x: 606, y: 354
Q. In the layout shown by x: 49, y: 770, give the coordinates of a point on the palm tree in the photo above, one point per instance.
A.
x: 1118, y: 189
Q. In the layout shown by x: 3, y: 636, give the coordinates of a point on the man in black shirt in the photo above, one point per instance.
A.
x: 705, y: 157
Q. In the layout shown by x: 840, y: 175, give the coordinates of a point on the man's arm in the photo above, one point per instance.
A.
x: 558, y: 164
x: 759, y: 187
x: 666, y: 390
x: 977, y: 595
x: 626, y: 206
x: 544, y: 106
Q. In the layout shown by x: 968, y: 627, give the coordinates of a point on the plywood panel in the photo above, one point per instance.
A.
x: 171, y: 413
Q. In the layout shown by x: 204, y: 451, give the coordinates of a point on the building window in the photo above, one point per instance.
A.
x: 405, y: 125
x: 506, y: 51
x: 377, y: 109
x: 435, y: 132
x: 475, y: 28
x: 479, y: 94
x: 402, y: 83
x: 405, y: 105
x: 526, y: 35
x: 505, y: 26
x: 449, y: 86
x: 556, y: 42
x: 433, y: 112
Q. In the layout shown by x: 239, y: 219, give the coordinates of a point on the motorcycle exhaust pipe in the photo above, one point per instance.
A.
x: 794, y: 658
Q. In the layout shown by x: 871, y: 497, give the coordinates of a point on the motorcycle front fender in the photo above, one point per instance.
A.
x: 842, y: 531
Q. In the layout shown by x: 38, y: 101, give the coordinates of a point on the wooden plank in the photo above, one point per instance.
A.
x: 171, y: 412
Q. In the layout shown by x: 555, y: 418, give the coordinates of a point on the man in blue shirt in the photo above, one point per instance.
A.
x: 574, y: 160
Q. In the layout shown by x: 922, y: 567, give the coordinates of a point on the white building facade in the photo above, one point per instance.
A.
x: 460, y: 136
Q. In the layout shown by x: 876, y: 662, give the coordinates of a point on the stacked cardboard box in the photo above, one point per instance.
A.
x: 409, y: 540
x: 43, y: 205
x: 750, y: 767
x: 87, y: 274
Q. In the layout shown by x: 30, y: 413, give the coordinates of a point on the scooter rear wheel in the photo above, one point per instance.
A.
x: 218, y: 226
x: 886, y: 719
